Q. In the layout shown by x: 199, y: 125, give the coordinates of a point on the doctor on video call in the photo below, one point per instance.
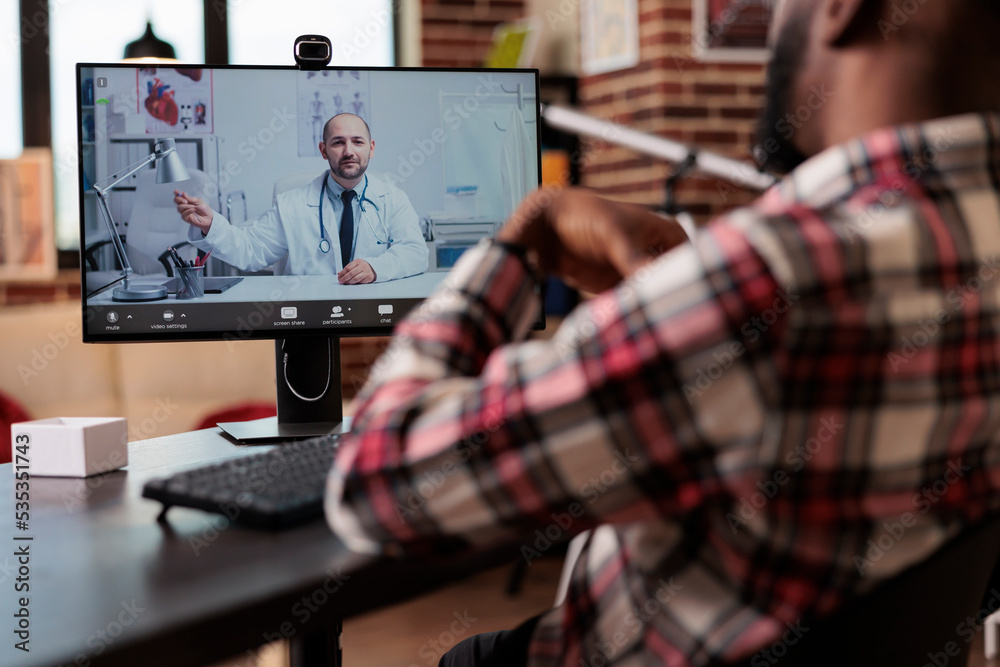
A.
x: 347, y: 222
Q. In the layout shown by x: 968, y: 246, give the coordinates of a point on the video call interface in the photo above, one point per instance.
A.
x: 332, y: 200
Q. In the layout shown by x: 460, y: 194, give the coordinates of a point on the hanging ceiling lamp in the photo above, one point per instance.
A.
x: 149, y: 46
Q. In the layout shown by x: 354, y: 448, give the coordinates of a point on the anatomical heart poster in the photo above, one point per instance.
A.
x: 176, y: 100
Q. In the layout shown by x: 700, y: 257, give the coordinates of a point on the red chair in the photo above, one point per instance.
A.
x: 11, y: 412
x: 238, y: 413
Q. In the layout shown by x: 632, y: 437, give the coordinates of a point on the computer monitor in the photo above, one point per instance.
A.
x: 454, y: 152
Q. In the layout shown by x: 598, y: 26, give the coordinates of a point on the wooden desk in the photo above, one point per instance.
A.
x: 110, y: 586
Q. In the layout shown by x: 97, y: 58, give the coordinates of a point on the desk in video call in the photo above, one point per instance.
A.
x: 297, y: 288
x: 266, y: 303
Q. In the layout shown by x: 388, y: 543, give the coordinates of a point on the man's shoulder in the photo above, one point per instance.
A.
x: 817, y: 245
x: 295, y: 187
x: 382, y: 183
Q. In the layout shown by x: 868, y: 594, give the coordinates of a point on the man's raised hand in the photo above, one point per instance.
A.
x: 194, y: 211
x: 590, y: 242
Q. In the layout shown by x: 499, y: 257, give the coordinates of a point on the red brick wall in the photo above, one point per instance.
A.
x: 457, y: 33
x: 713, y: 105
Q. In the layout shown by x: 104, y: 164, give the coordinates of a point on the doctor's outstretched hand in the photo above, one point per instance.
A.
x: 358, y: 272
x: 194, y: 211
x: 590, y: 242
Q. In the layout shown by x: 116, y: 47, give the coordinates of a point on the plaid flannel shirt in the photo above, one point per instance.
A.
x: 759, y: 425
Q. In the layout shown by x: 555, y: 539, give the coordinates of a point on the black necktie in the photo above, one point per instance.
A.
x: 347, y: 225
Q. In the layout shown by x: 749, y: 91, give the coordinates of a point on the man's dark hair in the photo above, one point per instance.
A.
x: 327, y: 125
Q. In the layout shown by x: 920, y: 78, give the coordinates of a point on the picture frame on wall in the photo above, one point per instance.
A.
x: 27, y: 217
x: 609, y: 35
x: 731, y: 30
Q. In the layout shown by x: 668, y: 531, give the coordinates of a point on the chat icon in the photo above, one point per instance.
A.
x: 385, y: 310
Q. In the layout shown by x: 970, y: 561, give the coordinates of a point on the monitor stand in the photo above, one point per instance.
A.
x: 310, y: 400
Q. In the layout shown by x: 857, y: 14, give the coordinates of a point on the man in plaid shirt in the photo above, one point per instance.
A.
x: 759, y: 425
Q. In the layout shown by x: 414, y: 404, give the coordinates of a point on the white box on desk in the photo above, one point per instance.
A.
x: 71, y: 446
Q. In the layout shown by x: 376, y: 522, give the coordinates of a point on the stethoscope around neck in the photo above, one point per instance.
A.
x: 324, y: 243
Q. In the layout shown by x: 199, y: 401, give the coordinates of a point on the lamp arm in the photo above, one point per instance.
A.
x: 129, y: 171
x: 116, y: 240
x: 102, y: 198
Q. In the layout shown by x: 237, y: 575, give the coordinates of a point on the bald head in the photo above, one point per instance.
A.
x: 348, y: 122
x: 842, y: 68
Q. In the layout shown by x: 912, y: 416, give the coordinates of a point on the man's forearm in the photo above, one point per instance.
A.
x: 489, y: 299
x: 400, y: 261
x: 248, y: 249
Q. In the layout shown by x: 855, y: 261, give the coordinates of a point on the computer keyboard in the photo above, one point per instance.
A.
x: 274, y: 489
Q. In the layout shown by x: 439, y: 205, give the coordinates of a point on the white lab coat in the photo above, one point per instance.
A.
x: 291, y: 228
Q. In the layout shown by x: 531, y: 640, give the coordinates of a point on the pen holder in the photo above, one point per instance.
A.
x: 192, y: 282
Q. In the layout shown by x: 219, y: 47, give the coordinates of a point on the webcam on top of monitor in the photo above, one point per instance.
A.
x: 312, y: 51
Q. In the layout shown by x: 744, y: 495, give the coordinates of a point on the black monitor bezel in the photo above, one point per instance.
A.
x: 255, y: 334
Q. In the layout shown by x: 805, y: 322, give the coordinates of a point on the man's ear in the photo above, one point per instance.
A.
x: 841, y: 20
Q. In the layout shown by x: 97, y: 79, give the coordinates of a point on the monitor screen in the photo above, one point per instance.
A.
x: 234, y: 202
